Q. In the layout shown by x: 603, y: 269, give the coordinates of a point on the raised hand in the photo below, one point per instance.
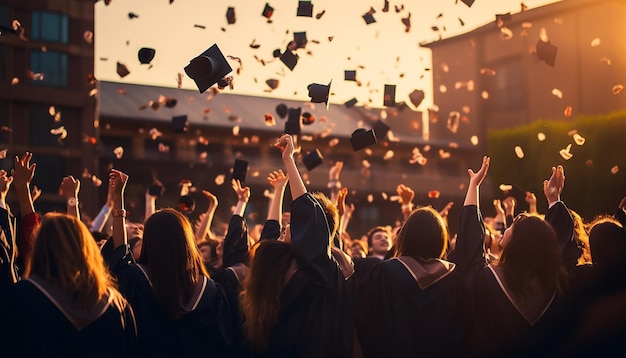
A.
x: 117, y: 181
x: 553, y: 187
x: 243, y: 193
x: 277, y: 179
x: 477, y: 178
x: 5, y: 183
x: 406, y: 194
x: 285, y: 145
x: 69, y: 187
x: 509, y: 205
x: 212, y: 198
x: 24, y: 171
x: 446, y: 210
x: 335, y: 171
x: 35, y: 193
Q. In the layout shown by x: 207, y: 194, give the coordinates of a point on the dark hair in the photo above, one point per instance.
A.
x: 423, y: 234
x: 260, y: 297
x: 330, y: 210
x: 607, y: 240
x: 532, y: 255
x: 172, y: 259
x: 374, y: 230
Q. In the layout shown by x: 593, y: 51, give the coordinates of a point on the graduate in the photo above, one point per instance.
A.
x: 517, y: 302
x: 294, y: 294
x: 180, y: 310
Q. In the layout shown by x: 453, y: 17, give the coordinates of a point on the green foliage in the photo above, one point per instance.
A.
x: 590, y: 187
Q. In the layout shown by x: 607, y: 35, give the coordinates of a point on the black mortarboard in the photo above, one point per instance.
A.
x: 546, y: 52
x: 350, y: 103
x: 362, y: 138
x: 416, y: 97
x: 171, y: 102
x: 307, y: 118
x: 369, y: 18
x: 389, y: 99
x: 230, y: 15
x: 293, y: 125
x: 281, y: 110
x: 240, y: 168
x: 380, y: 129
x: 300, y: 39
x: 349, y: 75
x: 268, y: 10
x: 122, y: 70
x: 502, y: 19
x: 290, y: 59
x: 208, y: 68
x: 312, y: 159
x: 132, y: 15
x: 146, y: 55
x: 469, y: 3
x: 180, y: 124
x: 305, y: 8
x: 319, y: 93
x: 276, y: 53
x: 186, y: 204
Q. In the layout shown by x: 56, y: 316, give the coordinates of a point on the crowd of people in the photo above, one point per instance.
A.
x: 526, y: 285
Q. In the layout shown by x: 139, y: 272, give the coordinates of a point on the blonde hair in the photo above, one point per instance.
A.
x: 66, y: 255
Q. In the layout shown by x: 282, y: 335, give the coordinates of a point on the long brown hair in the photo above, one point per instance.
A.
x: 260, y: 297
x: 532, y: 255
x: 66, y: 255
x: 170, y: 254
x: 423, y: 234
x: 330, y: 210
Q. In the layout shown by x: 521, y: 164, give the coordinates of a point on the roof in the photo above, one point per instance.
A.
x: 249, y: 111
x: 517, y: 18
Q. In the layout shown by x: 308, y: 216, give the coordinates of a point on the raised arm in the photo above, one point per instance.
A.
x: 285, y: 144
x: 8, y: 245
x: 406, y: 195
x: 69, y: 191
x: 23, y: 173
x: 509, y: 210
x: 100, y: 221
x: 271, y: 229
x: 559, y: 216
x: 345, y: 211
x: 236, y: 239
x: 207, y: 219
x: 117, y: 181
x: 333, y: 180
x: 531, y: 200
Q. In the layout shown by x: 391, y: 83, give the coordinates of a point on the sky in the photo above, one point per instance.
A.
x: 381, y: 53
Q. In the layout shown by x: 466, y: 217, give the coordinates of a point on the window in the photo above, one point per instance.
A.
x: 50, y: 172
x: 49, y: 26
x: 110, y: 143
x: 507, y: 90
x: 53, y: 65
x: 4, y: 15
x: 39, y: 125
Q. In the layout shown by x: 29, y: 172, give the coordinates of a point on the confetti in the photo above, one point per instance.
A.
x: 370, y: 198
x: 474, y: 140
x: 164, y: 148
x: 88, y: 37
x: 15, y: 81
x: 568, y: 111
x: 615, y: 169
x: 433, y: 194
x: 557, y: 93
x: 366, y: 164
x: 453, y: 121
x: 270, y: 121
x: 578, y: 139
x: 333, y: 142
x: 443, y: 154
x: 617, y: 89
x: 93, y: 92
x: 484, y: 94
x: 154, y: 133
x: 565, y: 152
x: 541, y: 137
x: 444, y: 67
x: 119, y: 152
x: 388, y: 155
x: 606, y: 61
x: 506, y: 187
x: 61, y: 132
x: 219, y: 180
x: 595, y: 42
x: 52, y: 111
x: 3, y: 153
x: 487, y: 72
x: 519, y: 152
x: 443, y: 88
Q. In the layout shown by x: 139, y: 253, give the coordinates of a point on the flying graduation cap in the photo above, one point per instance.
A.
x: 208, y: 68
x: 319, y: 93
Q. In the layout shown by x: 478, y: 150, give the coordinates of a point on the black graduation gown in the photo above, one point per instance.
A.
x: 500, y: 327
x: 400, y: 318
x: 206, y: 328
x: 39, y: 328
x: 311, y: 320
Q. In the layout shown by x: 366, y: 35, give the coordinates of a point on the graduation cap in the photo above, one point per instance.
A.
x: 546, y: 52
x: 362, y: 138
x: 281, y: 110
x: 276, y: 53
x: 293, y: 125
x: 305, y: 8
x: 240, y: 168
x: 230, y: 15
x: 300, y: 39
x: 268, y: 11
x: 186, y: 204
x: 319, y: 93
x: 290, y: 59
x: 369, y: 18
x: 208, y: 68
x: 272, y: 83
x: 501, y: 19
x: 171, y: 102
x: 380, y: 129
x: 146, y: 55
x: 349, y: 75
x: 122, y: 70
x: 307, y: 118
x: 350, y: 103
x: 180, y: 124
x: 416, y: 97
x: 469, y: 3
x: 389, y: 100
x: 132, y: 15
x: 312, y: 159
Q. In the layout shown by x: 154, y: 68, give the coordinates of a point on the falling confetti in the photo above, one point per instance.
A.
x: 96, y: 181
x: 519, y: 152
x: 443, y: 154
x: 565, y: 153
x: 506, y: 187
x: 3, y: 153
x: 541, y: 137
x: 615, y: 169
x: 443, y: 89
x: 15, y: 81
x: 595, y: 42
x: 578, y: 139
x: 219, y: 180
x: 119, y: 152
x: 388, y: 155
x: 164, y: 148
x: 557, y: 93
x: 617, y: 89
x: 484, y: 94
x: 433, y: 194
x: 568, y: 111
x: 370, y: 198
x: 474, y: 140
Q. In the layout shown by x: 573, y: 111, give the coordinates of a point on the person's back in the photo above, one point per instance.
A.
x: 67, y: 306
